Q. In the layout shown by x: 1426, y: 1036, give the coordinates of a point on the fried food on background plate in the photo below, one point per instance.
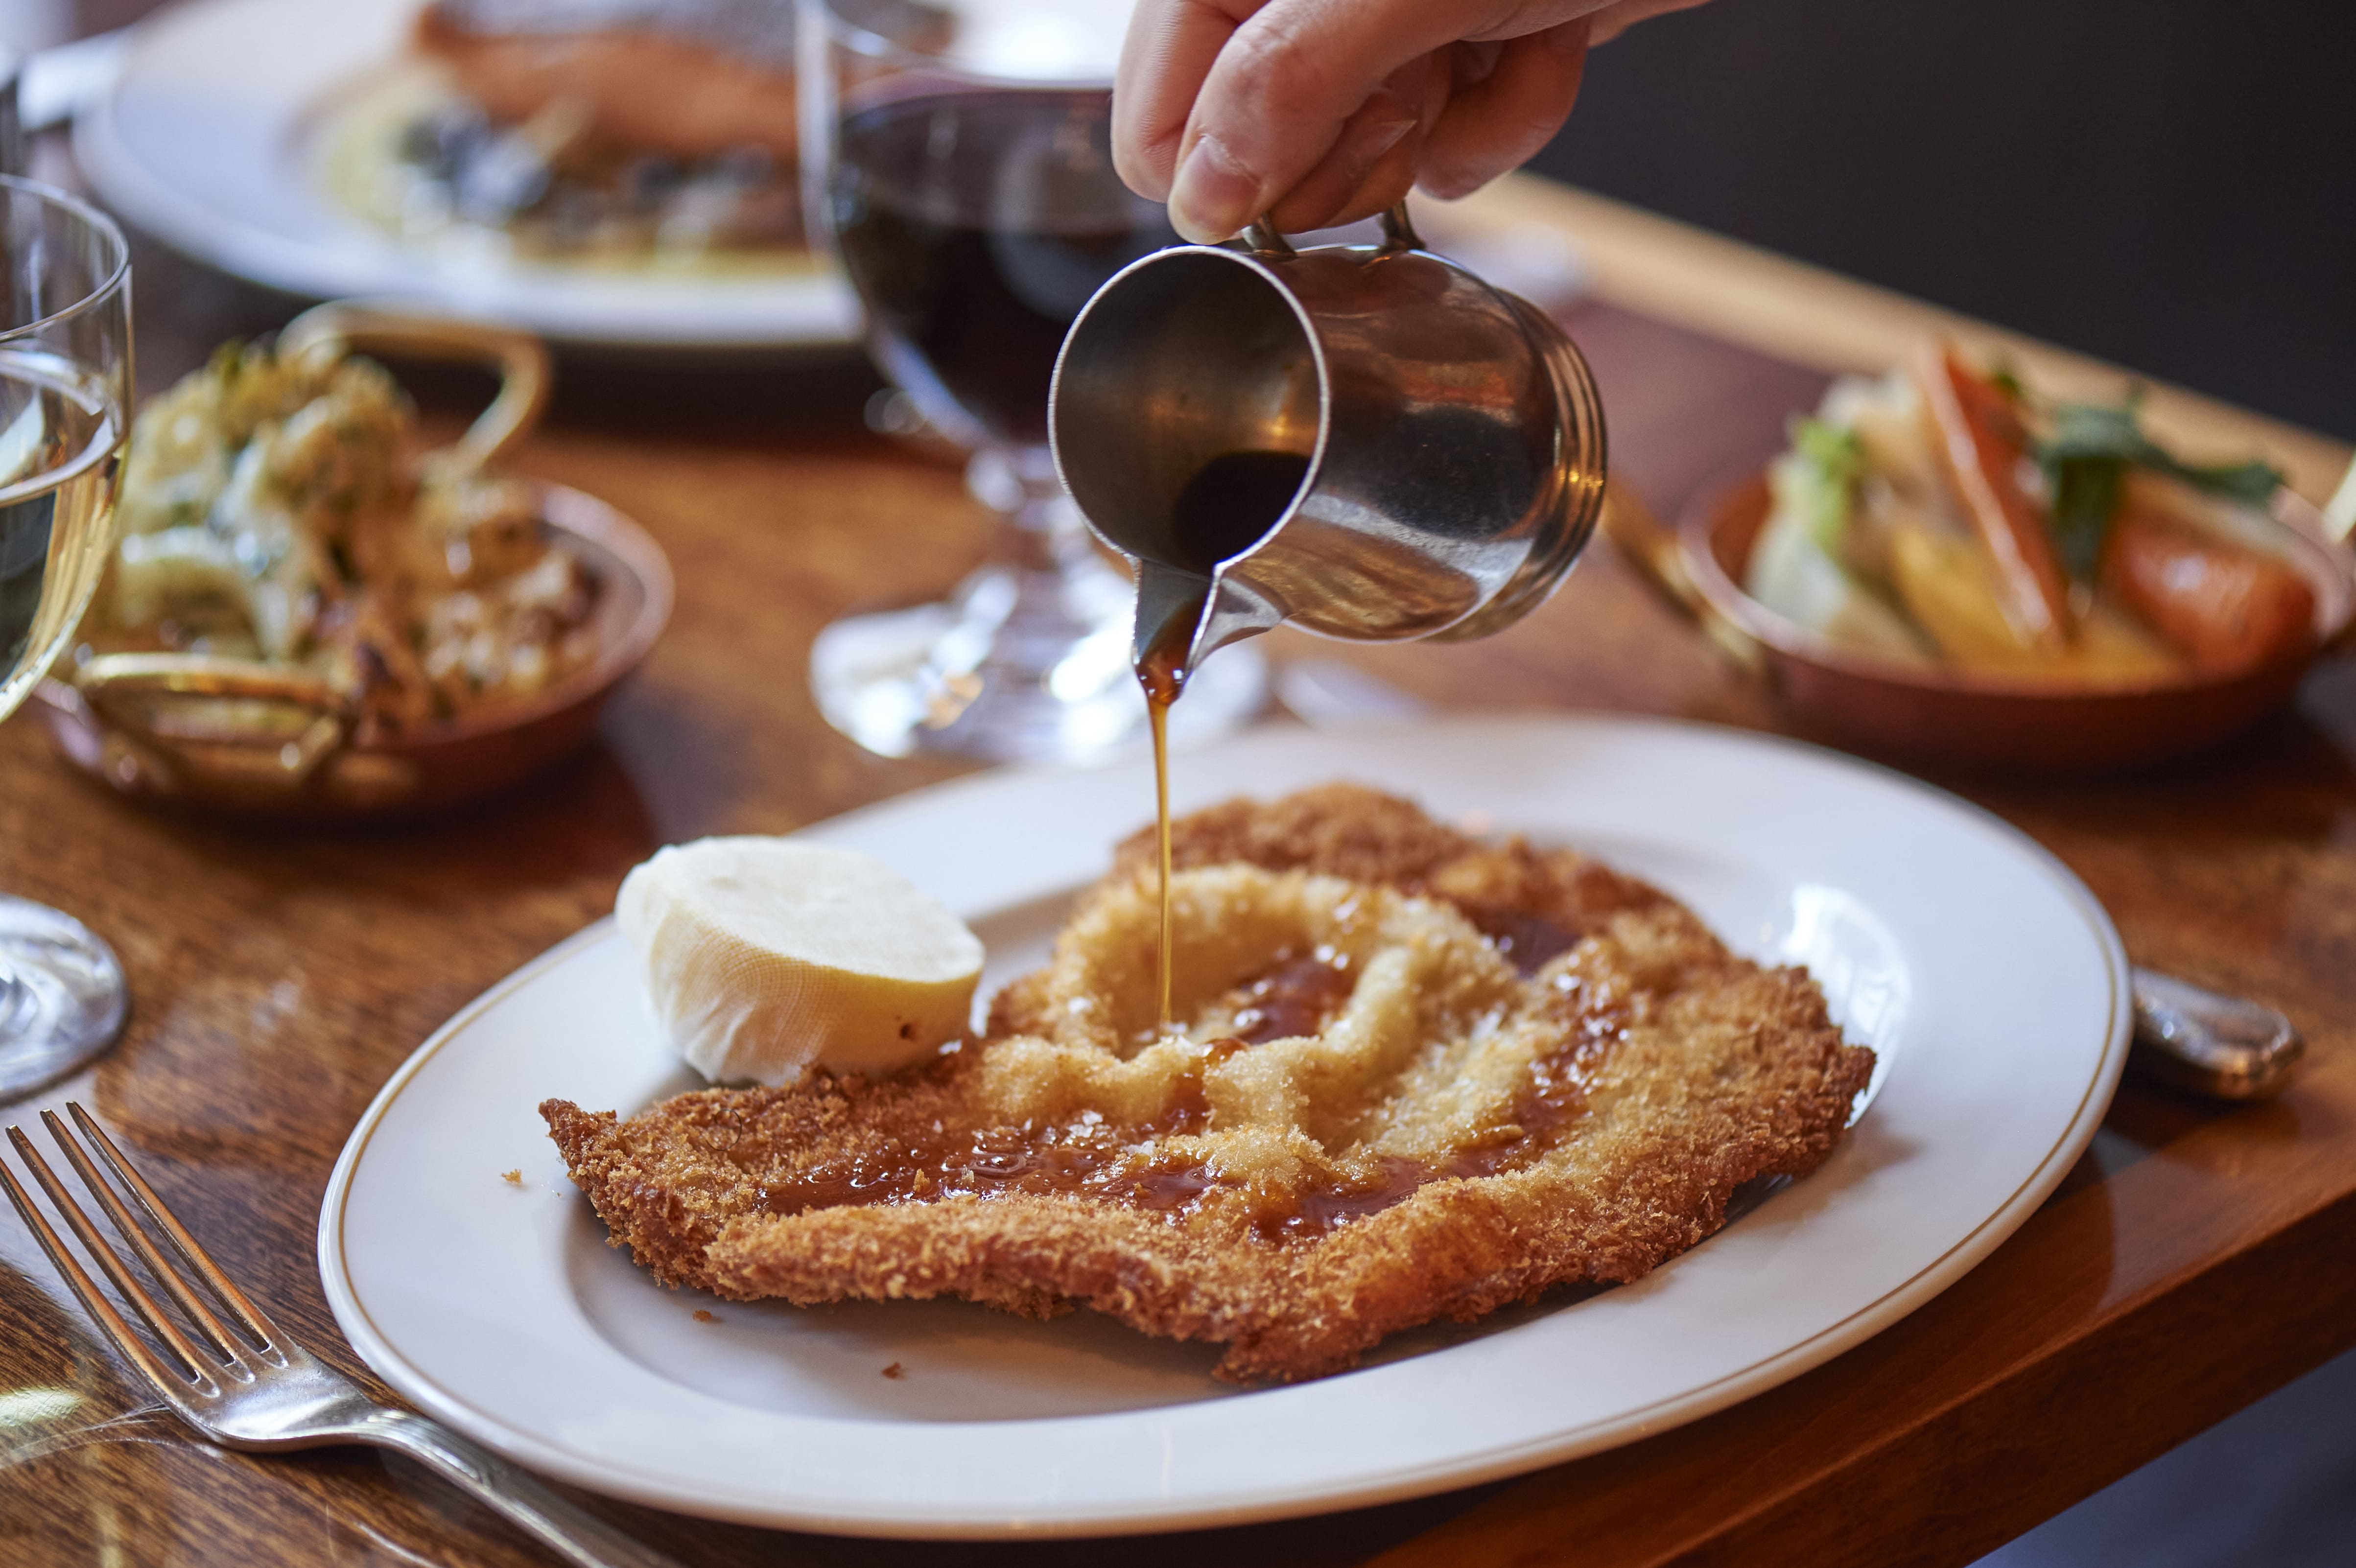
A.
x: 1373, y: 1118
x: 683, y: 78
x: 656, y: 133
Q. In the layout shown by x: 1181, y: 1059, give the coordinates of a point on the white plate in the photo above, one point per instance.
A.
x: 211, y: 139
x: 1980, y: 968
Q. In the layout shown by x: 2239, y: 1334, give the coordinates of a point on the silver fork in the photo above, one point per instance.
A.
x: 262, y: 1391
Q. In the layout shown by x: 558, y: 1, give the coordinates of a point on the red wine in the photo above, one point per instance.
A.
x: 975, y: 226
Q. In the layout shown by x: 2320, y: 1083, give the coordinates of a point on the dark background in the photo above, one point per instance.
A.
x: 2168, y: 185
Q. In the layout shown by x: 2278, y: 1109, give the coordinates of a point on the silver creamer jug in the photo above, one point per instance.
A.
x: 1369, y: 441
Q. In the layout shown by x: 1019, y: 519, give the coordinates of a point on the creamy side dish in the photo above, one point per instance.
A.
x: 276, y: 506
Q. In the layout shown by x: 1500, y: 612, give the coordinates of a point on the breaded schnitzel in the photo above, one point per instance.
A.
x: 1375, y: 1118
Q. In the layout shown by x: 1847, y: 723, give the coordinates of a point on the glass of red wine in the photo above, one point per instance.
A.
x: 957, y: 156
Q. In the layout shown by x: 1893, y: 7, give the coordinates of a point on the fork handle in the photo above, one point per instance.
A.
x: 564, y: 1528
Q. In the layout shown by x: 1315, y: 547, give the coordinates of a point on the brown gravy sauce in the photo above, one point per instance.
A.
x: 1227, y: 506
x: 1298, y: 996
x: 1094, y: 1158
x: 1161, y: 670
x: 1528, y: 940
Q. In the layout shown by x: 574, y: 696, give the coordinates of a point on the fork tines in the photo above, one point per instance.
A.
x: 198, y: 1374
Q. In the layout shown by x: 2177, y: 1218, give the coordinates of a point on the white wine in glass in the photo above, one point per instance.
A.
x: 65, y: 380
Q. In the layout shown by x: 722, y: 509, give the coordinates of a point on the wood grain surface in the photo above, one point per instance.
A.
x: 2198, y: 1257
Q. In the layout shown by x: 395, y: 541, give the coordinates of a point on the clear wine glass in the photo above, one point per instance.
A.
x: 65, y: 382
x: 958, y: 158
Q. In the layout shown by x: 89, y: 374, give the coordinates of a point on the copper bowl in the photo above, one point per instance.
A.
x: 1953, y: 718
x: 249, y: 739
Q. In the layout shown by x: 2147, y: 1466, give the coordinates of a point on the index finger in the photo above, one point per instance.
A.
x: 1165, y: 58
x: 1283, y: 85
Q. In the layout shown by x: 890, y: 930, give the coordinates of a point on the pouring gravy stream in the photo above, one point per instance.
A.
x: 1225, y: 510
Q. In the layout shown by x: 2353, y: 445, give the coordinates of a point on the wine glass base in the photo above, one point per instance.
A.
x: 1017, y: 667
x: 62, y: 998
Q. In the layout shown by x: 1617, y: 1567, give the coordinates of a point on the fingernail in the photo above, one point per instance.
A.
x: 1213, y: 197
x: 1443, y: 185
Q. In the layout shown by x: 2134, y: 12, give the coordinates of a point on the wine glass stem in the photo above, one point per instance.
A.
x: 1043, y: 529
x: 1029, y: 660
x: 61, y: 994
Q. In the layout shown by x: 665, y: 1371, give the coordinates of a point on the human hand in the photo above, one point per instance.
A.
x: 1314, y: 112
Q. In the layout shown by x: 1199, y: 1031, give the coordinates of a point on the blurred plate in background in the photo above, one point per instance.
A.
x: 220, y: 136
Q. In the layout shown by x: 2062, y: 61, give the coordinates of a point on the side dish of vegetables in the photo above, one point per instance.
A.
x: 274, y: 508
x: 1945, y: 517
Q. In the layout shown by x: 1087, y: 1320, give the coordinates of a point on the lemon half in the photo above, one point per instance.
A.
x: 764, y: 957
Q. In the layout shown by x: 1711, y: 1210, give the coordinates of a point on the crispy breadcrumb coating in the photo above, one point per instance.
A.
x: 1373, y: 1119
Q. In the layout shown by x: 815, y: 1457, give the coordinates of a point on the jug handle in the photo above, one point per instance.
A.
x: 1260, y: 236
x: 1399, y: 229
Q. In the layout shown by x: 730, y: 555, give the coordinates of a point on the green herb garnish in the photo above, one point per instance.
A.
x: 1835, y: 462
x: 2086, y: 460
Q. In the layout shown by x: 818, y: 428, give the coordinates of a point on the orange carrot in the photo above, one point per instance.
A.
x: 2229, y: 607
x: 1982, y: 445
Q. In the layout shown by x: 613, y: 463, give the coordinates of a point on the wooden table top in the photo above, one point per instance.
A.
x: 2198, y: 1256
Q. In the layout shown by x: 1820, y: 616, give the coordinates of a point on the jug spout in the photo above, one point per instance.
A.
x: 1183, y: 617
